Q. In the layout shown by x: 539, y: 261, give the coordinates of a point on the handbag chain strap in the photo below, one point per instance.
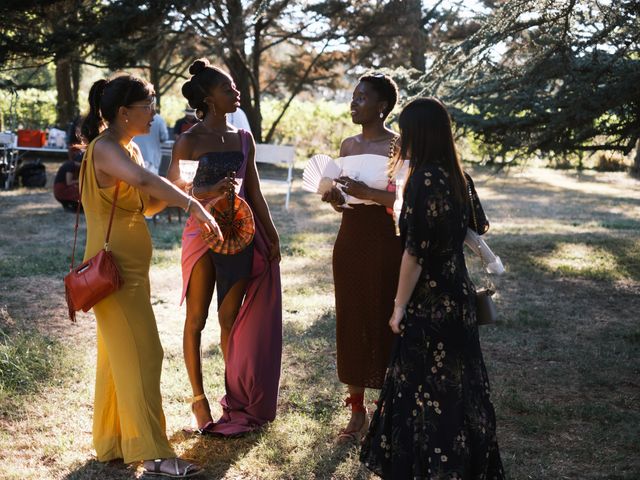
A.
x: 113, y: 209
x: 473, y: 210
x: 392, y: 152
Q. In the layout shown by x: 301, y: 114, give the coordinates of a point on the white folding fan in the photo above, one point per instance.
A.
x: 319, y: 173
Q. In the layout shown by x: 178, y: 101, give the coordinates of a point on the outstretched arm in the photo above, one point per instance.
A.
x: 113, y: 163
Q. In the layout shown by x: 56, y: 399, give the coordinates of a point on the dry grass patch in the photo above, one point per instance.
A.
x: 563, y: 359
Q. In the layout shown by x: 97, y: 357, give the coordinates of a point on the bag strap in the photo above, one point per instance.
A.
x: 390, y: 156
x: 473, y: 209
x: 113, y: 208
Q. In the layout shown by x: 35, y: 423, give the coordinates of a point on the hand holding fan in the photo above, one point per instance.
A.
x: 319, y: 173
x: 234, y: 216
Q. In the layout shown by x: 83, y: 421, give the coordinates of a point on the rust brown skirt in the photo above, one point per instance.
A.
x: 366, y: 264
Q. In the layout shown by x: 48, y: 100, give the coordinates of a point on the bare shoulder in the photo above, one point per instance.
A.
x: 137, y: 153
x: 106, y: 147
x: 185, y: 143
x: 249, y: 135
x: 348, y: 144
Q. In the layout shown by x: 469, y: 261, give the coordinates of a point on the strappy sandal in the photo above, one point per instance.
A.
x: 190, y: 470
x: 354, y: 436
x: 207, y: 428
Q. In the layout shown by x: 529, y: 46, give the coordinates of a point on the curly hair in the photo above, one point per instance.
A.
x: 385, y: 87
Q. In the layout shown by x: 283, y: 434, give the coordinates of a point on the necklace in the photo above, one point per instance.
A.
x: 379, y: 139
x: 218, y: 132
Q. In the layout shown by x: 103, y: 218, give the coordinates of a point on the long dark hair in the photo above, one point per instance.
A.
x: 204, y: 77
x: 427, y: 139
x: 107, y: 96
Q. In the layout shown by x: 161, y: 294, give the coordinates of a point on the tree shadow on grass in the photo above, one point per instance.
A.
x: 93, y: 469
x: 215, y: 454
x: 311, y: 362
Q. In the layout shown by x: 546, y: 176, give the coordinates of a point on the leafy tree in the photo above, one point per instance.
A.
x: 547, y: 76
x: 286, y: 47
x: 36, y: 33
x: 409, y: 32
x: 148, y: 35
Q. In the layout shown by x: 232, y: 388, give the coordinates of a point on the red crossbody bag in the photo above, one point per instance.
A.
x: 98, y: 277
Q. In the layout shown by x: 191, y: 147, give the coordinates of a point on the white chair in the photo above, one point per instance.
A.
x: 278, y: 154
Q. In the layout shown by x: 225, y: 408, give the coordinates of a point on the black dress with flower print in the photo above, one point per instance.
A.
x: 434, y: 418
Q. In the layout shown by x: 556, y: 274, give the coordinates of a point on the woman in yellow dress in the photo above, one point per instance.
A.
x: 128, y: 420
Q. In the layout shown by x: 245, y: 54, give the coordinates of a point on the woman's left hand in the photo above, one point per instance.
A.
x: 274, y: 250
x: 354, y: 188
x: 396, y: 318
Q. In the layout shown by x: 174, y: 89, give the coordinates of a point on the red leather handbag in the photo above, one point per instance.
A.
x: 98, y: 277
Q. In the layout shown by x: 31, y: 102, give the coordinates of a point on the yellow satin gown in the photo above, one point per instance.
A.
x: 128, y: 420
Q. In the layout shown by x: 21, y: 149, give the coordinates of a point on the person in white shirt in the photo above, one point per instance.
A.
x: 150, y: 144
x: 239, y: 119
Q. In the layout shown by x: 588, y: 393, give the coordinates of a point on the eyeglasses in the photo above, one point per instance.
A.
x: 151, y: 106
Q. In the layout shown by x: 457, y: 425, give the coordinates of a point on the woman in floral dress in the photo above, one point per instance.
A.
x: 434, y: 418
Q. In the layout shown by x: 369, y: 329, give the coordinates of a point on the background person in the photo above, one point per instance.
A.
x: 184, y: 123
x: 151, y: 144
x: 239, y: 120
x: 65, y: 184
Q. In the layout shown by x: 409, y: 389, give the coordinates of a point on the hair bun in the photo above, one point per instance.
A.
x: 198, y: 66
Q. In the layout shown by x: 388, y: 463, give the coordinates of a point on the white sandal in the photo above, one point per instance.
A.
x: 189, y: 470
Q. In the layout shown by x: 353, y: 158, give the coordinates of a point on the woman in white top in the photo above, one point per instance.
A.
x: 366, y: 255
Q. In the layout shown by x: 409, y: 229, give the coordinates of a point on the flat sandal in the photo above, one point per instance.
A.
x: 190, y: 470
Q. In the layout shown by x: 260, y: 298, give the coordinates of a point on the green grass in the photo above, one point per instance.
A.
x: 26, y: 359
x: 563, y: 358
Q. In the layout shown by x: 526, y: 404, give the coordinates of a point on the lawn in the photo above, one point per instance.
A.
x: 564, y: 359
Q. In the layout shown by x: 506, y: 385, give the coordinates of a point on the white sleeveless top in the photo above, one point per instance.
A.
x: 368, y: 168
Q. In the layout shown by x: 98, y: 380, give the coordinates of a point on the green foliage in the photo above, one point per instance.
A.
x: 34, y: 108
x: 314, y: 126
x: 547, y: 76
x: 26, y: 359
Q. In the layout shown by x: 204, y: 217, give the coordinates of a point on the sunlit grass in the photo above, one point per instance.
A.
x: 562, y: 360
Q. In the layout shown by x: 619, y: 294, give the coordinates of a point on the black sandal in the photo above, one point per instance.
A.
x: 189, y: 470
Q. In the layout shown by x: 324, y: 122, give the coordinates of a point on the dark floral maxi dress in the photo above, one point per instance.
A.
x: 434, y: 418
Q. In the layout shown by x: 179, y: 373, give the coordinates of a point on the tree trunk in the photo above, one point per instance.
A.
x: 417, y: 36
x: 65, y: 104
x: 155, y: 75
x: 236, y: 62
x: 636, y: 159
x: 76, y: 75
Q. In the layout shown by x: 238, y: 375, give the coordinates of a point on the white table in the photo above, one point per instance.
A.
x: 63, y: 151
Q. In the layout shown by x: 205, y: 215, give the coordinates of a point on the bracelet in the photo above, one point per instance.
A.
x: 186, y: 209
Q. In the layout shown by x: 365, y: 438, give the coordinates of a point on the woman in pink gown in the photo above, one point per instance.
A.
x: 247, y: 283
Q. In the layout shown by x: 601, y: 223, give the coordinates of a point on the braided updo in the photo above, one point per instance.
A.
x: 204, y: 78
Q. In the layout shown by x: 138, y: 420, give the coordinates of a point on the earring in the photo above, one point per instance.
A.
x: 381, y: 115
x: 126, y: 120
